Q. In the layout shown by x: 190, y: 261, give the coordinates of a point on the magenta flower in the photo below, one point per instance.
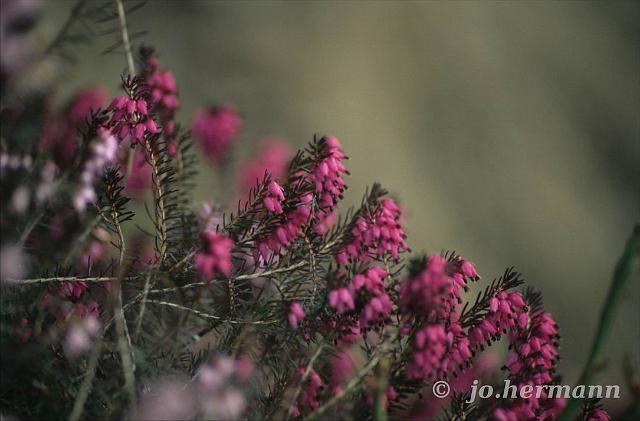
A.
x: 163, y: 98
x: 288, y: 230
x: 85, y: 102
x: 273, y: 198
x: 163, y: 88
x: 296, y: 315
x: 326, y: 175
x: 325, y: 223
x: 375, y: 235
x: 130, y: 119
x: 598, y: 414
x: 506, y: 312
x: 438, y: 350
x: 215, y: 130
x: 431, y: 297
x: 376, y: 311
x: 308, y: 399
x: 343, y: 366
x: 273, y: 157
x: 532, y: 362
x: 60, y: 132
x: 72, y: 289
x: 215, y: 256
x: 342, y: 300
x: 140, y: 179
x: 433, y: 293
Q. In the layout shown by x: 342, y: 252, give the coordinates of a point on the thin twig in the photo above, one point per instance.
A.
x: 30, y: 227
x: 356, y: 380
x: 36, y: 281
x: 132, y: 68
x: 124, y: 345
x: 211, y: 316
x: 87, y: 382
x: 62, y: 34
x: 305, y: 376
x: 145, y: 293
x: 237, y: 278
x: 125, y: 37
x: 124, y: 338
x: 382, y: 383
x: 298, y: 265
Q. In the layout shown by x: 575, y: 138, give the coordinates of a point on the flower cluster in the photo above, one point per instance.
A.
x: 273, y: 198
x: 66, y: 302
x: 60, y: 131
x: 215, y: 129
x: 366, y: 292
x: 273, y: 157
x: 431, y: 297
x: 214, y: 258
x: 130, y: 118
x: 296, y: 315
x: 507, y: 312
x: 438, y: 351
x: 327, y: 175
x: 342, y: 300
x: 312, y: 386
x: 217, y: 391
x: 532, y: 363
x: 163, y: 96
x: 434, y: 293
x: 287, y: 230
x: 140, y: 178
x: 319, y: 296
x: 220, y: 387
x: 377, y: 233
x: 162, y: 87
x: 103, y: 152
x: 80, y: 336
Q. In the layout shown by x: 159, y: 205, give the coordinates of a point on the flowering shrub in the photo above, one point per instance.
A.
x: 288, y: 306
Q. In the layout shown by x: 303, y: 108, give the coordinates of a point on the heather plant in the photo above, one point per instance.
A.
x: 284, y: 305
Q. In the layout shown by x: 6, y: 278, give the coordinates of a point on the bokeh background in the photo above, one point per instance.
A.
x: 510, y: 131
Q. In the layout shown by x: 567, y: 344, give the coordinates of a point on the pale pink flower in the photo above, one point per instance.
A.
x: 13, y: 263
x: 220, y: 388
x: 80, y: 336
x: 103, y: 152
x: 167, y: 399
x: 20, y: 200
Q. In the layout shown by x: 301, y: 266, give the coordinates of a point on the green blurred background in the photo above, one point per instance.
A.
x: 510, y: 131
